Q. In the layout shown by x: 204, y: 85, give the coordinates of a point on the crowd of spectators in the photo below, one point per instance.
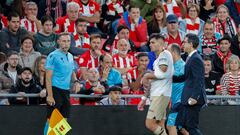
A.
x: 110, y: 44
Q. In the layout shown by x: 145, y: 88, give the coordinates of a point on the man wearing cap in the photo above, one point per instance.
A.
x: 113, y: 97
x: 221, y: 56
x: 26, y: 84
x: 173, y: 34
x: 159, y: 85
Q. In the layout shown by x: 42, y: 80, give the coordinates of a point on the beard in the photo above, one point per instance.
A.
x: 26, y: 81
x: 123, y: 52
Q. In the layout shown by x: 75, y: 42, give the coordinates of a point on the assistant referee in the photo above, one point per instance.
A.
x: 60, y: 72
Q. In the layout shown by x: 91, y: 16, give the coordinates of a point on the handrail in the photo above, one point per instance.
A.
x: 102, y: 96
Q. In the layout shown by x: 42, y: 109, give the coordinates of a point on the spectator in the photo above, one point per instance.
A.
x: 122, y: 61
x: 174, y: 7
x: 234, y: 10
x: 212, y: 78
x: 207, y: 9
x: 111, y: 11
x: 3, y: 57
x: 113, y: 97
x: 137, y: 26
x: 80, y: 41
x: 208, y: 40
x: 89, y: 11
x: 189, y: 2
x: 67, y: 23
x: 92, y: 86
x: 19, y: 6
x: 46, y: 39
x: 146, y: 7
x: 39, y: 71
x: 26, y: 85
x: 192, y: 23
x: 158, y: 21
x: 9, y: 73
x: 222, y: 55
x: 30, y: 21
x: 110, y: 45
x: 108, y: 73
x: 3, y: 21
x: 53, y: 8
x: 90, y: 59
x: 27, y: 53
x: 134, y: 77
x: 11, y: 36
x: 235, y: 46
x: 230, y: 82
x: 223, y: 22
x: 172, y: 33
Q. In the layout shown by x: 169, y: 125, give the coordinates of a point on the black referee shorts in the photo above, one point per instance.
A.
x: 62, y: 102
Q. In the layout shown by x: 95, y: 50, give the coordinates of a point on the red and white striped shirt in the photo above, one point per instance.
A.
x: 29, y: 25
x: 88, y: 10
x: 193, y: 27
x: 230, y: 85
x: 127, y: 62
x: 63, y: 24
x: 174, y: 10
x: 88, y: 61
x: 112, y: 8
x: 82, y: 42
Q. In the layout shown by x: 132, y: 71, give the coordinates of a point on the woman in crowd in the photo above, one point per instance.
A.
x: 158, y: 21
x: 192, y: 23
x: 230, y: 82
x: 207, y: 9
x: 27, y: 53
x: 223, y: 22
x: 39, y: 73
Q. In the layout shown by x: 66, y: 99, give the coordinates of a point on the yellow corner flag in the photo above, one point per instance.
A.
x: 58, y: 124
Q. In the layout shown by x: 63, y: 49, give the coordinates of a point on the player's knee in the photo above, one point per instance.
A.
x: 150, y: 124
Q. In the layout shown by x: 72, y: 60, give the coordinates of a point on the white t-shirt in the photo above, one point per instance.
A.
x: 162, y: 85
x: 13, y: 76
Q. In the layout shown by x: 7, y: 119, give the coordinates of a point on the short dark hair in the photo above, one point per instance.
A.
x: 79, y: 20
x: 175, y: 48
x: 115, y: 88
x: 193, y: 38
x: 10, y: 53
x: 225, y: 37
x: 46, y: 18
x: 94, y: 36
x: 209, y: 21
x: 207, y: 58
x: 157, y: 36
x: 12, y: 14
x: 142, y: 54
x: 133, y: 6
x: 27, y: 37
x: 121, y: 27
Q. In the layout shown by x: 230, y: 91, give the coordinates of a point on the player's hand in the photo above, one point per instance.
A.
x: 50, y: 100
x: 141, y: 104
x: 192, y: 101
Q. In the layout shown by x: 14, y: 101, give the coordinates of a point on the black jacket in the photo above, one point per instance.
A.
x: 31, y: 89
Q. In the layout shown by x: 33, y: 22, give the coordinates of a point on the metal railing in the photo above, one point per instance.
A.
x: 102, y: 96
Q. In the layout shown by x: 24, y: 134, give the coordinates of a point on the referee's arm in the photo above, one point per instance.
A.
x: 50, y: 99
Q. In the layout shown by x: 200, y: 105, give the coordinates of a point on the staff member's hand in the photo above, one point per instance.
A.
x: 50, y: 100
x: 192, y: 101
